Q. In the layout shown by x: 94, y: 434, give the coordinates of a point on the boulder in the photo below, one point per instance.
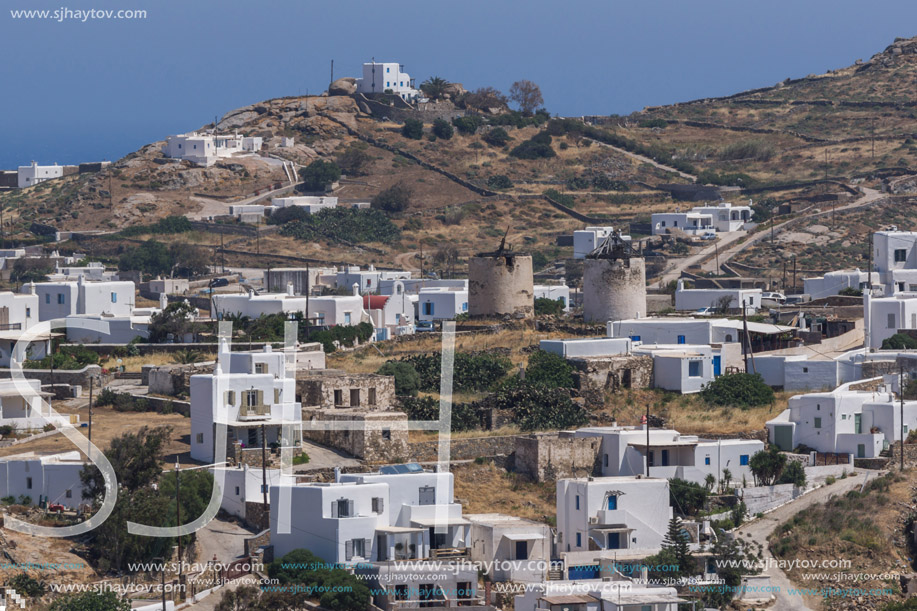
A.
x: 343, y: 86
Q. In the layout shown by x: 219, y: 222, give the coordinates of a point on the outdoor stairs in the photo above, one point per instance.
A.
x: 886, y: 453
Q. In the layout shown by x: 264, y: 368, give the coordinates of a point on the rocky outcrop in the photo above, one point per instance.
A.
x: 343, y: 86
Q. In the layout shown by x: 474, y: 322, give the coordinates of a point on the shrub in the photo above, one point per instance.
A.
x: 319, y: 174
x: 344, y: 335
x: 443, y: 129
x: 793, y: 473
x: 6, y: 429
x: 899, y: 341
x: 830, y: 480
x: 354, y: 159
x: 341, y: 591
x: 850, y: 292
x: 543, y: 305
x: 653, y: 123
x: 549, y: 369
x: 395, y: 198
x: 467, y: 125
x: 301, y: 459
x: 26, y: 585
x: 536, y: 407
x: 412, y: 129
x: 344, y: 225
x: 499, y: 181
x: 407, y: 380
x: 91, y: 601
x: 536, y: 147
x: 742, y: 390
x: 465, y: 416
x: 687, y: 497
x: 496, y: 137
x: 167, y: 225
x: 767, y: 465
x: 564, y: 199
x: 472, y: 371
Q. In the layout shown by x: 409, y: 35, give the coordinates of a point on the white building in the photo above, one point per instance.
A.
x: 367, y: 279
x: 387, y: 77
x: 611, y: 593
x: 674, y: 330
x: 413, y: 286
x: 242, y: 485
x: 206, y: 149
x: 309, y: 203
x: 52, y: 478
x: 833, y: 283
x: 799, y: 372
x: 588, y: 239
x: 62, y: 299
x: 514, y: 549
x: 33, y: 174
x: 684, y: 369
x: 328, y: 310
x: 587, y: 346
x: 441, y: 303
x: 18, y: 311
x: 843, y: 421
x: 671, y: 454
x: 92, y: 271
x: 612, y: 513
x: 692, y: 223
x: 391, y: 315
x: 121, y: 329
x: 553, y: 292
x: 696, y: 299
x: 248, y: 392
x: 725, y: 216
x: 370, y: 517
x: 23, y: 408
x: 886, y: 315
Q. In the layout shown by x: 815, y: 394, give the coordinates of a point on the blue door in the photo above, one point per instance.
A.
x: 614, y: 541
x: 681, y: 339
x: 665, y: 458
x: 612, y: 502
x: 716, y: 366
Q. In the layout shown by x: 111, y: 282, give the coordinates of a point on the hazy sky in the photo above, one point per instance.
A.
x: 73, y: 91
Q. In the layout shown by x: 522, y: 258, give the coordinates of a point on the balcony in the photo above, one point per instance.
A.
x: 255, y: 412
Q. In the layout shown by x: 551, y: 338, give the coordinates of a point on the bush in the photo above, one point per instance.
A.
x: 653, y: 123
x: 536, y: 147
x: 282, y: 216
x: 354, y: 159
x: 396, y: 198
x: 407, y: 380
x: 850, y: 292
x: 536, y: 407
x: 66, y: 357
x: 340, y: 590
x: 301, y: 459
x: 742, y: 390
x: 543, y: 305
x: 443, y: 129
x: 549, y: 369
x: 472, y: 371
x: 499, y: 181
x: 344, y: 225
x: 465, y: 416
x: 344, y: 335
x: 26, y: 585
x: 899, y: 341
x: 319, y: 174
x: 467, y: 125
x: 412, y: 129
x: 91, y: 601
x: 687, y: 497
x: 496, y: 137
x: 167, y: 225
x: 6, y: 429
x: 793, y: 473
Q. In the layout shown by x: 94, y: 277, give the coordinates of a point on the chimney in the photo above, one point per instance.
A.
x: 163, y: 301
x: 290, y: 289
x: 337, y: 474
x: 356, y: 289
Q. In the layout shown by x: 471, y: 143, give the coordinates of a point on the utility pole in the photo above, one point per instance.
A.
x: 647, y: 438
x: 91, y: 380
x: 794, y: 273
x: 747, y: 340
x: 308, y: 290
x: 716, y: 251
x: 772, y: 231
x: 222, y: 253
x: 178, y: 514
x: 869, y: 269
x: 332, y: 72
x: 901, y: 397
x: 263, y: 467
x: 783, y: 286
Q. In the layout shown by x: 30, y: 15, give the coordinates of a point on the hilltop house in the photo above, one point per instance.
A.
x: 726, y: 217
x: 692, y: 223
x: 33, y: 174
x: 51, y: 478
x: 387, y: 77
x: 206, y: 149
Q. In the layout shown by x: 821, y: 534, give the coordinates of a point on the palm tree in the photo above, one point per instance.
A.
x: 434, y: 87
x: 709, y: 482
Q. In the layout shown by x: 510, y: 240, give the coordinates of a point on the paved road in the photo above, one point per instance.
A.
x: 758, y: 531
x: 214, y: 207
x: 321, y: 457
x: 679, y: 265
x: 222, y: 539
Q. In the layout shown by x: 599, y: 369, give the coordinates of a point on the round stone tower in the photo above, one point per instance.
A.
x: 500, y: 283
x: 614, y: 282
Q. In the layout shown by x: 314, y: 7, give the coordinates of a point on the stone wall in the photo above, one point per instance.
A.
x: 374, y: 436
x: 335, y: 389
x: 258, y: 516
x: 548, y: 456
x: 72, y: 377
x: 764, y: 498
x: 172, y: 380
x: 237, y: 455
x: 464, y: 449
x: 251, y: 545
x: 596, y: 376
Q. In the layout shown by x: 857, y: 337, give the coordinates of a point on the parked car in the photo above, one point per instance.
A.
x: 219, y: 282
x: 705, y: 312
x: 709, y: 235
x: 424, y: 325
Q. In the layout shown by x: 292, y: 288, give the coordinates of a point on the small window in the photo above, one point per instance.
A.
x: 338, y: 397
x: 612, y: 501
x: 346, y: 318
x: 377, y: 504
x: 577, y: 502
x: 579, y: 539
x: 69, y: 494
x: 426, y: 495
x: 805, y: 370
x: 200, y: 438
x: 260, y: 367
x: 47, y: 297
x: 28, y: 313
x: 890, y: 323
x: 371, y: 396
x: 61, y: 298
x: 706, y: 460
x: 114, y: 297
x: 237, y: 491
x: 606, y: 460
x: 28, y: 483
x: 694, y: 370
x: 635, y: 338
x: 428, y: 309
x: 743, y: 459
x: 818, y: 423
x: 900, y: 255
x: 464, y: 306
x: 354, y: 397
x: 387, y: 434
x: 681, y: 339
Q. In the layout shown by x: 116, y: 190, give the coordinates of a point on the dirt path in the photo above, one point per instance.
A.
x: 406, y: 261
x: 644, y: 159
x: 679, y: 265
x: 758, y: 530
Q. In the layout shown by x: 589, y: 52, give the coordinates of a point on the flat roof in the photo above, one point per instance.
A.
x: 570, y: 599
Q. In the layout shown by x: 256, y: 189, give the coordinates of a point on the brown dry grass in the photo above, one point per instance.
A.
x: 486, y: 489
x: 134, y: 363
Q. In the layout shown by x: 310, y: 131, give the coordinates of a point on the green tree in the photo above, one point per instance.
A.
x: 767, y: 465
x: 734, y: 560
x: 499, y: 181
x: 318, y: 175
x: 136, y: 459
x: 434, y: 87
x: 187, y: 260
x: 91, y: 601
x: 26, y: 585
x: 741, y: 390
x: 407, y: 380
x: 395, y: 198
x: 354, y: 160
x: 496, y: 136
x: 538, y: 408
x: 28, y: 269
x: 412, y: 129
x: 546, y: 306
x: 899, y: 341
x: 549, y: 369
x: 443, y: 129
x: 526, y: 95
x: 793, y: 473
x: 687, y: 497
x: 676, y: 541
x: 173, y: 323
x: 342, y: 591
x: 468, y: 125
x: 536, y: 147
x: 150, y: 257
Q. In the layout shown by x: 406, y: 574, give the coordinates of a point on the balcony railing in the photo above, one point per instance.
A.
x: 254, y: 412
